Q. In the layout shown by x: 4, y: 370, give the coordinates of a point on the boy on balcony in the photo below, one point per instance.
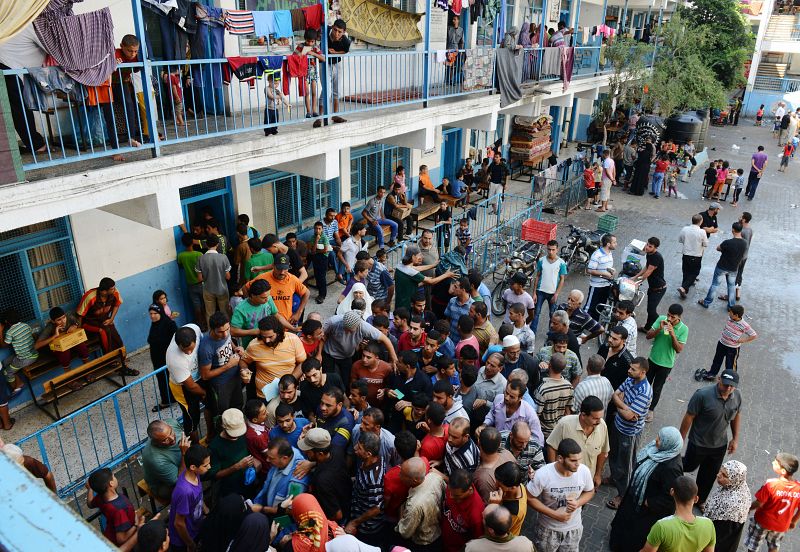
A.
x: 275, y: 97
x: 309, y: 48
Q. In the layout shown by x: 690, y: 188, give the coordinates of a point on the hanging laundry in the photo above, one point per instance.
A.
x: 239, y: 22
x: 491, y: 10
x: 606, y: 31
x: 314, y: 16
x: 295, y: 67
x: 283, y: 24
x: 210, y: 14
x: 42, y: 82
x: 567, y: 54
x: 270, y: 63
x: 551, y: 61
x: 455, y: 7
x: 264, y: 23
x: 441, y: 4
x: 298, y: 19
x: 83, y: 45
x: 246, y: 69
x: 441, y: 56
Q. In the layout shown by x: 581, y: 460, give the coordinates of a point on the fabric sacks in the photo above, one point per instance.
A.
x: 264, y: 23
x: 283, y: 24
x: 314, y: 16
x: 83, y: 45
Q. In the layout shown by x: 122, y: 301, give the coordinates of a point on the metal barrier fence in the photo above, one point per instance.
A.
x: 107, y: 433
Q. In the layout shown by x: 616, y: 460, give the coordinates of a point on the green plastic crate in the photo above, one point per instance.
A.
x: 607, y: 223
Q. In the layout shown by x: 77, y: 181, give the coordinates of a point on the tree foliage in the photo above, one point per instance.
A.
x: 729, y: 40
x: 629, y: 59
x: 682, y: 78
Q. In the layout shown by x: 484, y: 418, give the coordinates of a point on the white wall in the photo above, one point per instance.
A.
x: 108, y: 245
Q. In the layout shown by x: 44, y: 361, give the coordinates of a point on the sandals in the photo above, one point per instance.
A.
x: 130, y: 372
x: 159, y: 407
x: 614, y: 503
x: 12, y: 421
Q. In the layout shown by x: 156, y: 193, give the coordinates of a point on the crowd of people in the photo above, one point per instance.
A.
x: 410, y: 419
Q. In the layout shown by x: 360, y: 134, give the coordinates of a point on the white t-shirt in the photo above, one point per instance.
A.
x: 553, y: 489
x: 512, y: 298
x: 600, y: 260
x: 350, y: 249
x: 550, y: 274
x: 609, y: 166
x: 180, y: 365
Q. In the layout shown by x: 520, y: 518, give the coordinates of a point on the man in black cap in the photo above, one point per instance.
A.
x: 710, y: 411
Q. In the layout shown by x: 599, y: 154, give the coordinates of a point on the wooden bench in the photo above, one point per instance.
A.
x: 454, y: 201
x: 421, y: 212
x: 372, y: 240
x: 81, y: 376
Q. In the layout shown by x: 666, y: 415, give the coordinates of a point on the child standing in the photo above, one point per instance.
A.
x: 684, y: 167
x: 443, y: 219
x: 672, y: 179
x: 309, y: 48
x: 464, y: 236
x: 728, y: 505
x: 788, y: 152
x: 19, y: 336
x: 777, y: 505
x: 719, y: 183
x: 760, y: 115
x: 657, y: 184
x: 597, y: 172
x: 735, y: 333
x: 160, y: 298
x: 186, y: 506
x: 275, y: 97
x: 588, y: 183
x: 738, y: 185
x: 101, y: 492
x: 173, y: 80
x: 709, y: 178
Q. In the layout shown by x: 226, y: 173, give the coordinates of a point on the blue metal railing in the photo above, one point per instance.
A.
x: 103, y: 434
x: 776, y: 84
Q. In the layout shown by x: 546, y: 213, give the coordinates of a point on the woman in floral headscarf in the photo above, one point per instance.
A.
x: 647, y: 499
x: 729, y: 505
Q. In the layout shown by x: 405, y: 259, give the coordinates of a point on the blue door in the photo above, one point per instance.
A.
x: 451, y: 152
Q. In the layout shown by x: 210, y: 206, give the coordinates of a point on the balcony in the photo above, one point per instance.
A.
x: 84, y: 136
x: 776, y: 84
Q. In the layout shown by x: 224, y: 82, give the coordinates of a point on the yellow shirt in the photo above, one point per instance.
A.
x: 282, y: 291
x: 569, y: 427
x: 273, y: 362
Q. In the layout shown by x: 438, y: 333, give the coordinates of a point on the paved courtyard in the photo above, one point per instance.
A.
x: 770, y: 292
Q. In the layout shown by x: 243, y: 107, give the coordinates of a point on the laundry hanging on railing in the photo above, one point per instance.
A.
x: 41, y: 84
x: 246, y: 69
x: 83, y: 45
x: 265, y: 23
x: 551, y: 61
x: 567, y: 54
x: 509, y: 75
x: 441, y: 4
x: 239, y: 22
x: 271, y: 63
x: 314, y: 16
x: 478, y: 65
x: 295, y: 67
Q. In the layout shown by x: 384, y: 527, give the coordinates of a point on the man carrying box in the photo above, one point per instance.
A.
x: 59, y: 325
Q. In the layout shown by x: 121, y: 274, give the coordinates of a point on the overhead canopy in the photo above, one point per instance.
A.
x: 377, y: 23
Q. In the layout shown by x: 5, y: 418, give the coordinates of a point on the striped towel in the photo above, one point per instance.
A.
x: 240, y: 22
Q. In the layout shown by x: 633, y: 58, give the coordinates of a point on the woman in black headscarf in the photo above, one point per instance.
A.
x: 162, y: 329
x: 223, y: 523
x: 641, y: 168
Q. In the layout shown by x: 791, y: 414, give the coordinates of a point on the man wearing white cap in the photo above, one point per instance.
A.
x: 230, y: 459
x: 514, y: 357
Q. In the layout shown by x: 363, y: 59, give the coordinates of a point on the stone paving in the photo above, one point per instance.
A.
x: 769, y: 290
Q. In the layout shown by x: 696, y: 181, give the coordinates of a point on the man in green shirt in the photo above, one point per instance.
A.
x: 162, y: 457
x: 259, y: 258
x: 230, y: 459
x: 246, y: 315
x: 408, y: 277
x: 669, y: 335
x: 187, y: 260
x: 682, y: 532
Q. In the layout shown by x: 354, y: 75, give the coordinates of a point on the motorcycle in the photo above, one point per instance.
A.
x: 623, y: 288
x: 523, y: 259
x: 581, y: 243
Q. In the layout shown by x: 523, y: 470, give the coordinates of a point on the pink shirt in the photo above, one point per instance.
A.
x: 472, y: 340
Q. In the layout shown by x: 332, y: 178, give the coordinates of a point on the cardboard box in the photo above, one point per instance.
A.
x: 401, y: 212
x: 68, y: 341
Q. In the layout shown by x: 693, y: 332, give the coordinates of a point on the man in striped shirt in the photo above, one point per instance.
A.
x: 330, y: 229
x: 461, y: 452
x: 553, y: 398
x: 601, y: 271
x: 366, y: 506
x: 19, y: 336
x: 581, y: 324
x: 632, y: 400
x: 593, y: 384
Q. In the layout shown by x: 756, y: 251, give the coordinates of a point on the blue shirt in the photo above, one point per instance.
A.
x: 448, y: 348
x: 217, y: 352
x: 340, y: 427
x: 638, y: 396
x: 454, y: 311
x: 458, y: 188
x: 276, y: 486
x: 292, y: 437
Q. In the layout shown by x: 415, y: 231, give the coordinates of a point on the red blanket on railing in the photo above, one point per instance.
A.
x: 295, y: 67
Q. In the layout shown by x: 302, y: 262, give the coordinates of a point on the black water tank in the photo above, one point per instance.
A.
x: 704, y: 116
x: 684, y: 127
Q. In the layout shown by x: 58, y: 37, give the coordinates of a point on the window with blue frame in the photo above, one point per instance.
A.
x: 372, y: 166
x: 39, y: 270
x: 298, y: 201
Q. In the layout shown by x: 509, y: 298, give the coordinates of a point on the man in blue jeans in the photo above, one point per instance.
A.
x: 550, y: 273
x: 374, y: 217
x: 732, y: 252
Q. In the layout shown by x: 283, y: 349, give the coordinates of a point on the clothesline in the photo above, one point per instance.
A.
x: 281, y: 23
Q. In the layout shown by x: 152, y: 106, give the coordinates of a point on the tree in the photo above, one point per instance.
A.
x: 729, y: 40
x: 630, y: 62
x: 681, y: 78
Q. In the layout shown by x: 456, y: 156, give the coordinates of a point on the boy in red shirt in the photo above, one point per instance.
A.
x: 121, y: 522
x: 777, y: 505
x: 588, y: 183
x: 657, y: 184
x: 462, y: 512
x: 788, y: 151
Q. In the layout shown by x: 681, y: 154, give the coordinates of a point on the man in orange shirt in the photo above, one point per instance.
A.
x: 426, y: 187
x: 345, y: 220
x: 284, y: 286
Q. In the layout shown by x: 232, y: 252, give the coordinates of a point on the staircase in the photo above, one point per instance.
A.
x: 783, y: 27
x: 776, y: 70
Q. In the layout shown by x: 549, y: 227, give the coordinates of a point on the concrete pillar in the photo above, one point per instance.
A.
x: 766, y: 13
x: 240, y: 188
x: 344, y: 174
